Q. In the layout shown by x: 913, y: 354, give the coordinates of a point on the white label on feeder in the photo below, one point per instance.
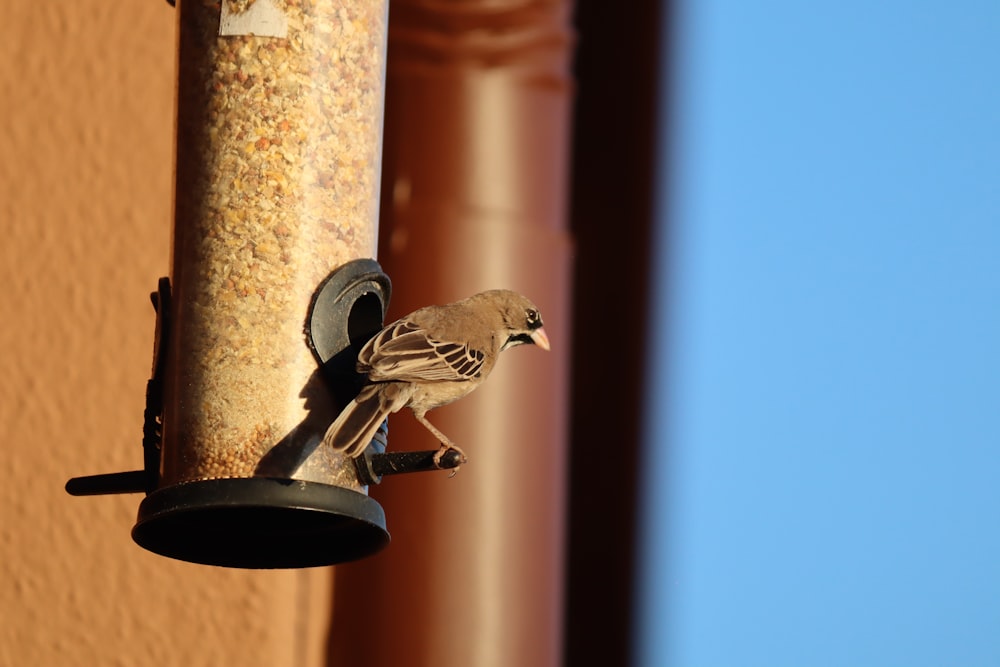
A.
x: 260, y: 18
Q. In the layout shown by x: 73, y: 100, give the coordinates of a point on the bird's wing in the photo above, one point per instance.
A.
x: 406, y: 352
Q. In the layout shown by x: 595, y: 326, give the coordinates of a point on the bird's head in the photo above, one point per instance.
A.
x: 522, y: 323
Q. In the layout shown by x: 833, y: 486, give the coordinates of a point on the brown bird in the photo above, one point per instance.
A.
x: 432, y: 357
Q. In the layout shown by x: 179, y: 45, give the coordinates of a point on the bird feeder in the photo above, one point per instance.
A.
x: 271, y: 295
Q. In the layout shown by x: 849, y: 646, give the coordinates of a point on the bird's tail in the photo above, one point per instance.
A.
x: 357, y: 423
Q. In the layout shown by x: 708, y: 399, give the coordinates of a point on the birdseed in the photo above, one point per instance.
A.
x: 278, y: 162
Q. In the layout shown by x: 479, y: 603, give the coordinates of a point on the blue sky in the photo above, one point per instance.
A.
x: 824, y: 439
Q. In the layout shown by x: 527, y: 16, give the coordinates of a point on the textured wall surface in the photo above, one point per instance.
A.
x: 85, y: 190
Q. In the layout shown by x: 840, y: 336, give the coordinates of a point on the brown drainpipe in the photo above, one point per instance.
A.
x: 474, y: 197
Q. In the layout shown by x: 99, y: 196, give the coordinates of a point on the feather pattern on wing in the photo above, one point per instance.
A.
x: 405, y: 352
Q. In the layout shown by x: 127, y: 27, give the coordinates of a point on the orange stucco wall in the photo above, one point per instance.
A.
x: 86, y: 133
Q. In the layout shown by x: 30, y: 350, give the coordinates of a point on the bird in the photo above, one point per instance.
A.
x: 430, y: 358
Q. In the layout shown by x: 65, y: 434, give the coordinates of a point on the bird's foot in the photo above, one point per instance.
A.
x: 450, y: 456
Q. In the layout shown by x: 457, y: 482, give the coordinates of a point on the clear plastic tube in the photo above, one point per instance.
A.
x: 279, y: 139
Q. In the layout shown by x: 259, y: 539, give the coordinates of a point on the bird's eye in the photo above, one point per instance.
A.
x: 531, y: 316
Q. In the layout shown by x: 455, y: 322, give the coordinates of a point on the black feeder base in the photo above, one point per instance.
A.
x: 260, y: 522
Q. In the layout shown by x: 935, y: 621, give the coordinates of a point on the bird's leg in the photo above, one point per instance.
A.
x: 446, y: 444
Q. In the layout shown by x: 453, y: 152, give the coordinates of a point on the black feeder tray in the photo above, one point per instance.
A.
x: 260, y: 522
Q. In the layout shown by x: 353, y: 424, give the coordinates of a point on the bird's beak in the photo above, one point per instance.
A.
x: 539, y: 338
